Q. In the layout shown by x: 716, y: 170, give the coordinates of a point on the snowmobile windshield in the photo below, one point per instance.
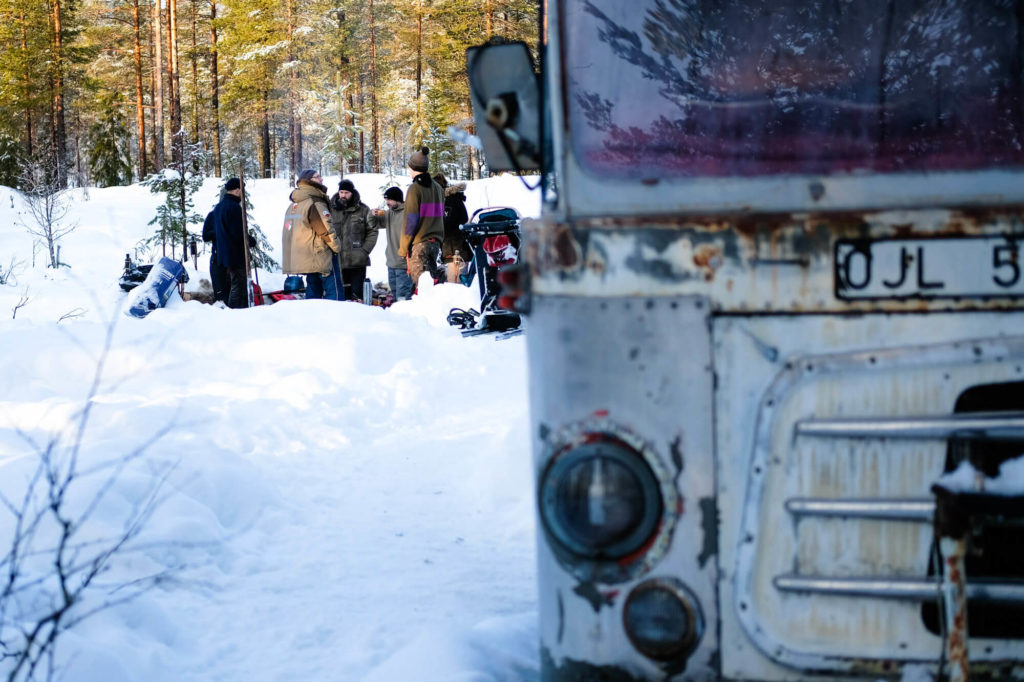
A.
x: 708, y: 88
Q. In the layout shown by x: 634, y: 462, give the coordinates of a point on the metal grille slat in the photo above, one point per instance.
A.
x: 967, y: 425
x: 894, y: 509
x: 908, y: 589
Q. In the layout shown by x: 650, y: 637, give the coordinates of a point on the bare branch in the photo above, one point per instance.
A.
x: 22, y: 302
x: 72, y: 314
x: 8, y: 275
x: 48, y: 205
x: 75, y: 562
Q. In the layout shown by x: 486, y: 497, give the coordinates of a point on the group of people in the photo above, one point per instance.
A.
x: 328, y: 239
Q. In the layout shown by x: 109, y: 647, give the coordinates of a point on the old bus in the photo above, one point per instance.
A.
x: 776, y: 348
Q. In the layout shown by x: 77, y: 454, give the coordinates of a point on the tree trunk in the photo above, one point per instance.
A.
x: 60, y: 141
x: 140, y: 105
x: 174, y: 83
x: 362, y: 129
x: 471, y: 129
x: 419, y: 54
x: 82, y: 178
x: 265, y: 135
x: 184, y: 209
x: 214, y: 88
x: 294, y: 123
x: 419, y: 64
x: 352, y: 167
x: 156, y: 28
x: 27, y: 88
x: 360, y: 162
x: 374, y: 118
x: 296, y: 142
x: 194, y: 62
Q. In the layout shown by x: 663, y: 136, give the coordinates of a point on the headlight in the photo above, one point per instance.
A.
x: 600, y: 500
x: 662, y: 619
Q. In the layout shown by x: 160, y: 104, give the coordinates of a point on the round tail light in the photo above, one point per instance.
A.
x: 662, y: 619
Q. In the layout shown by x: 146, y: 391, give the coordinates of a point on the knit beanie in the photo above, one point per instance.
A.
x: 347, y: 185
x: 307, y: 174
x: 394, y: 193
x: 420, y: 160
x: 231, y: 184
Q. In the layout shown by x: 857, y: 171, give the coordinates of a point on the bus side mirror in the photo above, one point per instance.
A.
x: 506, y: 104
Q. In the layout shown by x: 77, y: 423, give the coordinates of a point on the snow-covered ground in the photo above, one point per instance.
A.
x: 343, y: 492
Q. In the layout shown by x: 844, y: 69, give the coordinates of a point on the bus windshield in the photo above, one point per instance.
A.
x: 707, y: 88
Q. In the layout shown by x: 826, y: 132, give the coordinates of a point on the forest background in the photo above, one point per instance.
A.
x: 108, y: 92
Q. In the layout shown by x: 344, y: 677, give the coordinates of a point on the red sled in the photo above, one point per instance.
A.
x: 276, y: 296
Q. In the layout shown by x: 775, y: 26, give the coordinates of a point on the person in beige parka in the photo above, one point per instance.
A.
x: 309, y: 245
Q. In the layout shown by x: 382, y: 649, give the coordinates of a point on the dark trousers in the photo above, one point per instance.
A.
x: 238, y: 297
x: 353, y: 279
x: 220, y: 280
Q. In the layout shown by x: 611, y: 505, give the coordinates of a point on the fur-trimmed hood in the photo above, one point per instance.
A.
x: 454, y: 188
x: 310, y: 183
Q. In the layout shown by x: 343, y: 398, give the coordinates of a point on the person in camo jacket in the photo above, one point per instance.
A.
x: 424, y: 221
x: 356, y: 228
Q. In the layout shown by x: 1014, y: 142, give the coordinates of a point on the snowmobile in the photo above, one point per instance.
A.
x: 493, y: 236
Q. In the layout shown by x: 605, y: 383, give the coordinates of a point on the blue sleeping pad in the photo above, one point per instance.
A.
x: 158, y: 287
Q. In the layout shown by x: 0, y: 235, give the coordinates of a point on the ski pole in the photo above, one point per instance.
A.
x: 245, y: 234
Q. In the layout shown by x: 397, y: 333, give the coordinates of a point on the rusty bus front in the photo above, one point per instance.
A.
x: 774, y: 324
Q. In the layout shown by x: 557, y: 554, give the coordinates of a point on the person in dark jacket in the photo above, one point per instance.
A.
x: 228, y: 231
x: 356, y: 227
x: 218, y: 275
x: 455, y: 251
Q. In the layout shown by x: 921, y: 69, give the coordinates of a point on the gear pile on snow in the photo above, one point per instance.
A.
x: 155, y: 290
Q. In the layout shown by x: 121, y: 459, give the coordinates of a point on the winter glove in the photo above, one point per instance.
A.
x: 405, y: 246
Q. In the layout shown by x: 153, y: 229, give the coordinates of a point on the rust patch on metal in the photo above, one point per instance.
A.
x: 565, y: 252
x: 708, y: 257
x: 795, y: 254
x: 957, y: 637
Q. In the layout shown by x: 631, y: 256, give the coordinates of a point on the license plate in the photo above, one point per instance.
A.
x: 929, y: 268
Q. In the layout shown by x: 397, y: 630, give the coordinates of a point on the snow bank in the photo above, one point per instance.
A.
x: 344, y: 492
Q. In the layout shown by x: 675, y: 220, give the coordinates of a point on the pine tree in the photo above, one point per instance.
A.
x: 11, y: 160
x: 176, y: 214
x: 109, y: 139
